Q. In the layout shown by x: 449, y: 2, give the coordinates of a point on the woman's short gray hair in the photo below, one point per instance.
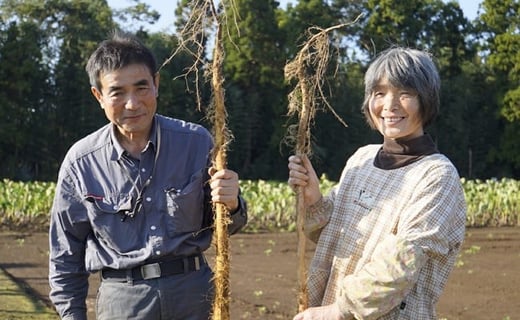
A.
x: 406, y: 68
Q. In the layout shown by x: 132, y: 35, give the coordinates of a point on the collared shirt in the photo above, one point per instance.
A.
x: 94, y: 220
x: 388, y: 239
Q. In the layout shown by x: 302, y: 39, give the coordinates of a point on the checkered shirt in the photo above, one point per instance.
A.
x: 387, y: 239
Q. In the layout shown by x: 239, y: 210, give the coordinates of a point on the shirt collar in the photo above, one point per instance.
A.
x: 119, y: 151
x: 397, y: 154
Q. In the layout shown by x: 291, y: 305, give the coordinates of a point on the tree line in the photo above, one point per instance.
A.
x: 46, y: 104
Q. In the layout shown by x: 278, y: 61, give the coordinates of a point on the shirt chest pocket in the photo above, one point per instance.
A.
x: 185, y: 207
x: 112, y: 205
x: 106, y: 215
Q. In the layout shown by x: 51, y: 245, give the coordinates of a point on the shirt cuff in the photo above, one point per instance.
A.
x: 238, y: 217
x: 241, y: 207
x: 347, y: 315
x: 74, y: 317
x: 318, y: 214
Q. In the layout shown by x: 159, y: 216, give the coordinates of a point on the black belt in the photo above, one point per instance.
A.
x: 156, y: 269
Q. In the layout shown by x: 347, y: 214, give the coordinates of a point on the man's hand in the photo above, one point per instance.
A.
x: 224, y: 188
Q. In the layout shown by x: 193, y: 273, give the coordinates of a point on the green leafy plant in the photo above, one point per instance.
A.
x: 492, y: 202
x: 270, y: 204
x: 25, y: 204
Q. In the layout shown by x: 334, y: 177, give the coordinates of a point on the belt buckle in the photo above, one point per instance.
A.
x: 151, y: 271
x: 196, y: 260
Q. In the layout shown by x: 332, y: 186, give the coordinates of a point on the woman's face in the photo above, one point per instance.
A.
x: 395, y: 111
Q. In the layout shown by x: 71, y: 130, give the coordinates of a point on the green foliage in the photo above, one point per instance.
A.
x: 46, y: 104
x: 509, y: 149
x: 500, y: 23
x: 253, y: 69
x: 23, y: 74
x: 393, y: 21
x: 295, y: 21
x: 139, y: 12
x: 492, y: 202
x: 25, y: 205
x: 271, y: 204
x: 42, y: 60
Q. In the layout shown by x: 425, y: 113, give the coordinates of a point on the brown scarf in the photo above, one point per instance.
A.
x: 397, y: 154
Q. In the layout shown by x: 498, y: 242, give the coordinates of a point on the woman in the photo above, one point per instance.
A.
x: 389, y: 232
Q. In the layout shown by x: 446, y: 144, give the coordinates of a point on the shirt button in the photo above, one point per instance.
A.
x: 148, y: 199
x: 143, y: 170
x: 116, y: 207
x: 158, y: 252
x: 153, y: 227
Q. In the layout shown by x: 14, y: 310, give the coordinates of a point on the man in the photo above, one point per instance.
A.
x: 133, y: 201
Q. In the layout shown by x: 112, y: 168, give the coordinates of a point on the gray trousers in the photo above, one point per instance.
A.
x: 186, y: 296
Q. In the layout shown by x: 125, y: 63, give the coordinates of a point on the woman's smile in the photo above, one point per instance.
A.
x: 395, y: 111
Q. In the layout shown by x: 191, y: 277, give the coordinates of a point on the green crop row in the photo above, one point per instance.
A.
x: 271, y: 204
x: 25, y: 205
x: 492, y: 202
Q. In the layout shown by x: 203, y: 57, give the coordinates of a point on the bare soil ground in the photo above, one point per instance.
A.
x: 484, y: 285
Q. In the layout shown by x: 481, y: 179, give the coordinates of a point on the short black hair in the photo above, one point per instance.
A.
x: 121, y: 50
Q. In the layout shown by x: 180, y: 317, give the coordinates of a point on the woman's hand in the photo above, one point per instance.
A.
x: 330, y: 312
x: 303, y: 178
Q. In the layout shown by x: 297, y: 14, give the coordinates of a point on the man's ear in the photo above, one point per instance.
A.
x: 156, y: 81
x: 97, y: 94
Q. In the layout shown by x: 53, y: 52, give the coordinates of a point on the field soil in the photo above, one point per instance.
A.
x: 484, y: 285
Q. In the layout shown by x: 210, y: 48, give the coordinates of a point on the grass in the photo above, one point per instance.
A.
x: 17, y: 304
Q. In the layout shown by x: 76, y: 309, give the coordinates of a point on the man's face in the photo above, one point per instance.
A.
x: 128, y: 97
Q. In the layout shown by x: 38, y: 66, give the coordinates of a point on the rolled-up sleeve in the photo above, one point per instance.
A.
x: 69, y: 228
x: 317, y: 216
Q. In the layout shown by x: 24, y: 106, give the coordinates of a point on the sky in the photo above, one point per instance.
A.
x: 167, y: 8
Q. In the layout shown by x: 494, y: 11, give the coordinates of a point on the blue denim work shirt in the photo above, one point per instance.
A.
x: 98, y: 186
